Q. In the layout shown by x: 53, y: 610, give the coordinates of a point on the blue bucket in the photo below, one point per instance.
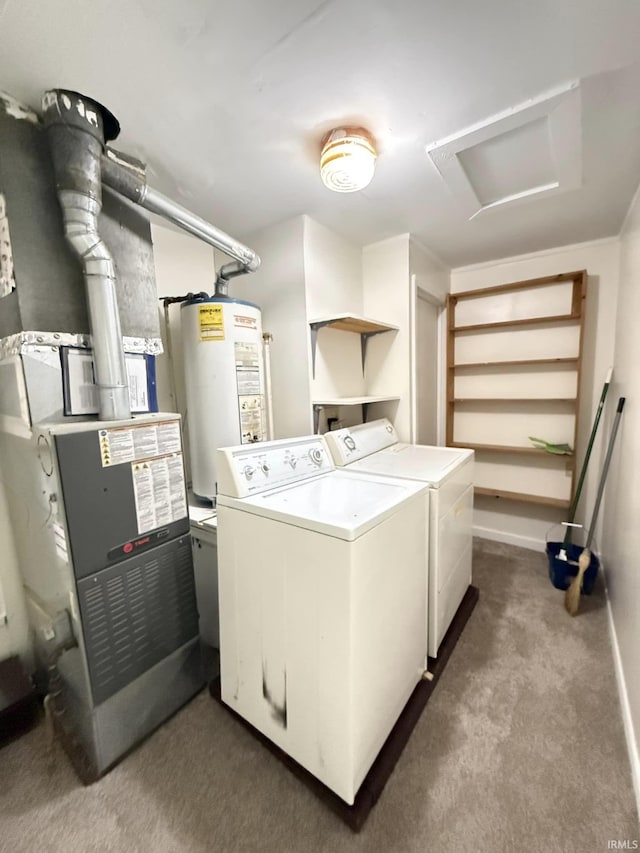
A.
x: 561, y: 572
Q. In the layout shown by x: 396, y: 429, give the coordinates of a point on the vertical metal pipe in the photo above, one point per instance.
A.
x: 76, y: 129
x: 267, y: 339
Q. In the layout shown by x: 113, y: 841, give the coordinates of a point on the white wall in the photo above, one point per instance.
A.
x: 621, y: 533
x: 14, y: 630
x: 278, y: 287
x: 430, y: 277
x: 388, y: 297
x: 333, y: 284
x: 528, y: 524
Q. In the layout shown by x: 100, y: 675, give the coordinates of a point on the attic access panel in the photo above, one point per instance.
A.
x: 528, y: 151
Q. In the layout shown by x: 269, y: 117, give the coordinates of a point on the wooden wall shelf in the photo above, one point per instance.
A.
x: 522, y: 496
x: 544, y: 401
x: 505, y: 324
x: 362, y: 326
x: 511, y: 449
x: 523, y: 362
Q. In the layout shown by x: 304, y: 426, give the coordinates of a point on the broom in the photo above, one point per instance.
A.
x: 572, y: 595
x: 594, y: 430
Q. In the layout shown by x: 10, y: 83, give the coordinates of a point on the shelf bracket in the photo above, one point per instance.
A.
x: 364, y: 340
x: 316, y: 418
x: 314, y: 343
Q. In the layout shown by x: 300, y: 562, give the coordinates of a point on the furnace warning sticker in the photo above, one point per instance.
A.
x: 159, y: 490
x: 211, y: 320
x: 131, y: 444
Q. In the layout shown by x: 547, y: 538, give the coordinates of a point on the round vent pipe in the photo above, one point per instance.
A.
x: 77, y: 128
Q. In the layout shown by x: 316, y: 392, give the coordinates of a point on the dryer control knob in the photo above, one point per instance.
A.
x: 248, y: 471
x: 349, y: 442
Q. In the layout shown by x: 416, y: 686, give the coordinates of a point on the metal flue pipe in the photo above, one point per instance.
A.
x: 128, y: 177
x: 76, y: 129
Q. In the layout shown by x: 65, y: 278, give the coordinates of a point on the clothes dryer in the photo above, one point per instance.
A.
x: 374, y: 448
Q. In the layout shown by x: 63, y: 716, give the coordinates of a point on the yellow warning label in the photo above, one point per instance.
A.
x: 211, y: 321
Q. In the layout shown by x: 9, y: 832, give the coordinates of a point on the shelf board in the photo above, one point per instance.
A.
x: 560, y: 503
x: 523, y: 362
x: 506, y: 448
x: 352, y: 401
x: 514, y: 400
x: 353, y: 323
x: 519, y: 285
x: 529, y: 321
x: 362, y: 326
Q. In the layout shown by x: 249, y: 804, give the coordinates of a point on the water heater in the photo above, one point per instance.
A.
x: 224, y: 381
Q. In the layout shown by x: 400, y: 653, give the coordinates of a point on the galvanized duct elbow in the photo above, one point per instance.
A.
x: 76, y: 130
x: 127, y: 176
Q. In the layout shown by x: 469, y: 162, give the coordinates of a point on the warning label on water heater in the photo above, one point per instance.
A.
x: 211, y: 322
x: 159, y: 490
x: 250, y: 398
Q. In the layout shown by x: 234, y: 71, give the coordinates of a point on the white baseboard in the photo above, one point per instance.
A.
x: 632, y: 743
x: 510, y: 538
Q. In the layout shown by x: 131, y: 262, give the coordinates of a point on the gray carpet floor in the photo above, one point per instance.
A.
x: 520, y: 748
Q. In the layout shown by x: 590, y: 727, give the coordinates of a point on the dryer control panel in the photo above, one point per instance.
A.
x: 353, y: 443
x: 248, y: 469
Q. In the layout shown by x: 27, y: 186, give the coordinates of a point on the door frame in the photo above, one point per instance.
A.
x: 420, y: 291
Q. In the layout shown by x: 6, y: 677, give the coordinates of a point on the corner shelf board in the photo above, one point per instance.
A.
x: 512, y: 324
x: 515, y: 400
x: 542, y: 500
x: 346, y: 401
x: 521, y: 362
x: 348, y: 323
x: 565, y: 304
x: 511, y: 449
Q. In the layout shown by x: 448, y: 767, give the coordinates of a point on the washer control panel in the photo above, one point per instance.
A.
x: 252, y: 468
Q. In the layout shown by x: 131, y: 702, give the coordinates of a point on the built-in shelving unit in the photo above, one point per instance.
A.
x: 513, y: 370
x: 366, y: 329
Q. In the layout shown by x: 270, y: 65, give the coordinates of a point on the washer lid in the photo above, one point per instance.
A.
x: 337, y: 503
x: 415, y: 461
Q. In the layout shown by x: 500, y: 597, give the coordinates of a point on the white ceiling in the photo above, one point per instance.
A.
x: 227, y: 101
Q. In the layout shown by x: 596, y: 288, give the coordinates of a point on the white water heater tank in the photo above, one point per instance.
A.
x: 224, y: 379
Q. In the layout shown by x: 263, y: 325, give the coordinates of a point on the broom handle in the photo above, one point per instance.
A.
x: 594, y: 430
x: 605, y: 469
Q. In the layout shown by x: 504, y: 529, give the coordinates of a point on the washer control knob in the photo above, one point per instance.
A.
x: 248, y: 471
x: 315, y: 455
x: 265, y: 468
x: 349, y: 442
x: 293, y: 461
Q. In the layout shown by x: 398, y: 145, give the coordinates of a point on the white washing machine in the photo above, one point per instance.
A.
x: 322, y: 602
x: 374, y: 448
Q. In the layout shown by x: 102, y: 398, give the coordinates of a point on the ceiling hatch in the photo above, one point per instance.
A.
x: 526, y: 152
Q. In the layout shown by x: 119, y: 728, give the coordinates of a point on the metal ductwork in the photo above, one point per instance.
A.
x: 77, y: 128
x: 127, y: 176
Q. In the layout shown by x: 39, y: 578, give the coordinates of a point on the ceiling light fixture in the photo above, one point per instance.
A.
x: 348, y: 159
